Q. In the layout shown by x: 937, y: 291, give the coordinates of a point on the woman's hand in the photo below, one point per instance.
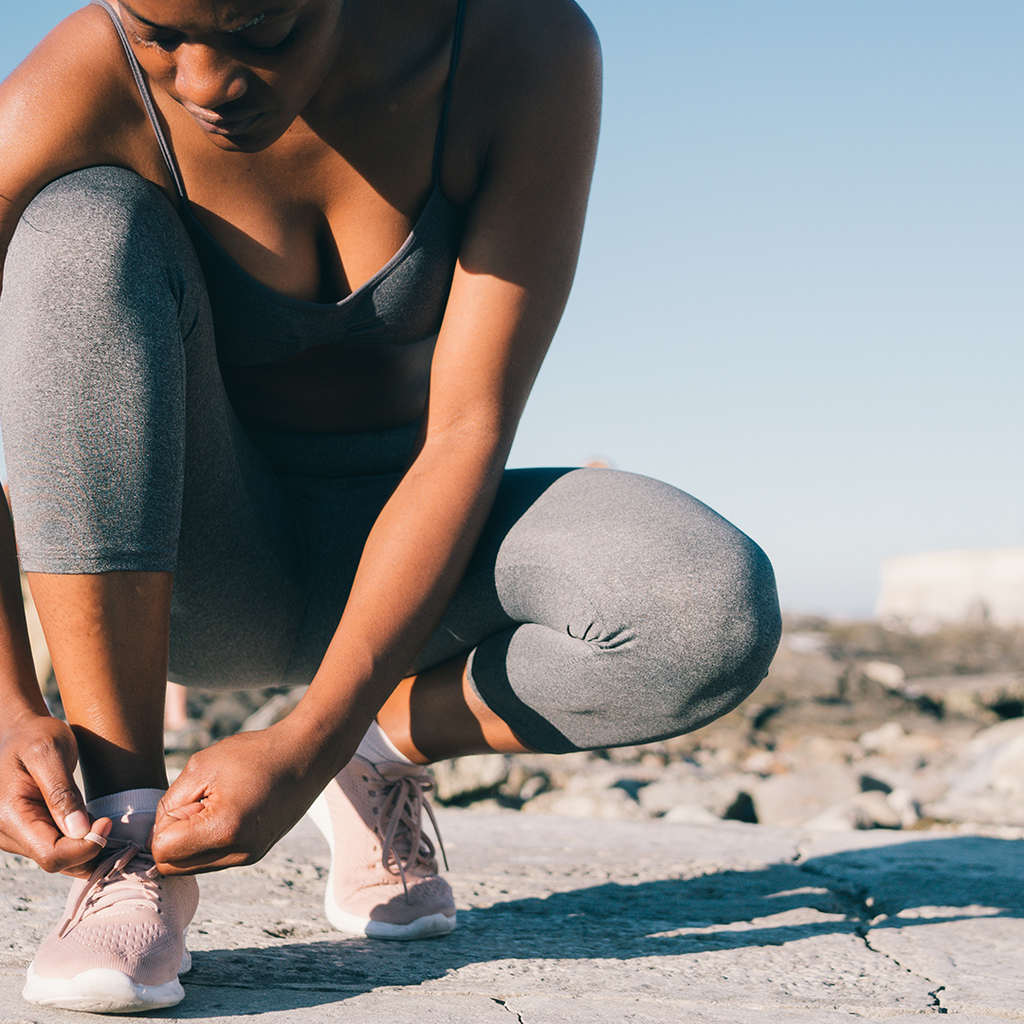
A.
x: 42, y: 813
x: 235, y: 800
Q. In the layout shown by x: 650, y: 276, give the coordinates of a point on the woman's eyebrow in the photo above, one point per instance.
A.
x: 139, y: 17
x: 252, y: 23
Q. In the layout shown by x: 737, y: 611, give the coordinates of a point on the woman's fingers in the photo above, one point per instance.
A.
x: 48, y: 766
x: 196, y: 828
x: 39, y: 839
x: 42, y: 812
x: 199, y: 835
x: 190, y: 840
x: 78, y: 856
x: 230, y: 804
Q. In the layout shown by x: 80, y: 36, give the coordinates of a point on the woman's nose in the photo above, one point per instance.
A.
x: 207, y: 79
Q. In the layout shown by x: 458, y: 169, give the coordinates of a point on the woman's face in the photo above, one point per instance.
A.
x: 243, y: 69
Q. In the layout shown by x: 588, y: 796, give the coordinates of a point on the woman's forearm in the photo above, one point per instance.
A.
x: 412, y: 563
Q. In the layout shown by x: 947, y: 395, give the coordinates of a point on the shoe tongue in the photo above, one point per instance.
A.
x: 133, y: 827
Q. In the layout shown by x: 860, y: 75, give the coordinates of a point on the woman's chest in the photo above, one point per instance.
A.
x: 312, y: 227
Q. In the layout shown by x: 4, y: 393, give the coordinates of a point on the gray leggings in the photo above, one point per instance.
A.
x: 600, y: 608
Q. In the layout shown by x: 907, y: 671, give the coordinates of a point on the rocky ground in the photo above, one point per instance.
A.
x: 857, y: 726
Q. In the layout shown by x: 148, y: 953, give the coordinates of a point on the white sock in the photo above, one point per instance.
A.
x: 376, y: 748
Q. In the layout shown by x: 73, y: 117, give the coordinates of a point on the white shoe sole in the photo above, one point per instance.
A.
x: 425, y: 927
x: 101, y: 990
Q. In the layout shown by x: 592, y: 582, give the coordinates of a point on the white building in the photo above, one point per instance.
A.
x: 929, y: 589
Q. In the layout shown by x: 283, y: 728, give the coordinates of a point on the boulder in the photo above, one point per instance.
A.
x: 471, y: 776
x: 792, y: 799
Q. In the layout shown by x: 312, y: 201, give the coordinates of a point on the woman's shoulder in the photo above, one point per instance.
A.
x: 526, y: 36
x: 533, y: 64
x: 71, y: 103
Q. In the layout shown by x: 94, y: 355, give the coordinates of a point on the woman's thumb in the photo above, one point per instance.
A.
x: 63, y: 800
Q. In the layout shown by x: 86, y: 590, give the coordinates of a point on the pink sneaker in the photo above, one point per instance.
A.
x: 383, y: 880
x: 121, y: 944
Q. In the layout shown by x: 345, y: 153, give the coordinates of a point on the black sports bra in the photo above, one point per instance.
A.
x: 403, y: 302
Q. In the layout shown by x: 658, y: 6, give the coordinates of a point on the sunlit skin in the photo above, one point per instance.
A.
x: 304, y: 131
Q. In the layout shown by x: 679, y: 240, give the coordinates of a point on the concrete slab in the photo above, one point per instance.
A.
x: 586, y: 920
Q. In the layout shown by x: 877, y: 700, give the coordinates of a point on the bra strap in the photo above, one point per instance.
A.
x: 147, y: 99
x: 442, y: 126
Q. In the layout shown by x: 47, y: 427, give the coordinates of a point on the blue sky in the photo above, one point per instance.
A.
x: 800, y: 295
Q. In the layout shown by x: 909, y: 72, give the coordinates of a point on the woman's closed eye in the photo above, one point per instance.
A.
x: 165, y: 43
x: 265, y: 37
x: 268, y: 36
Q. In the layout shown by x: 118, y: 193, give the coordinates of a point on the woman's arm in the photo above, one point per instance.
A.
x: 515, y: 268
x: 47, y: 128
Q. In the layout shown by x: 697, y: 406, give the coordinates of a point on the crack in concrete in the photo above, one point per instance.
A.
x: 505, y: 1006
x: 862, y: 911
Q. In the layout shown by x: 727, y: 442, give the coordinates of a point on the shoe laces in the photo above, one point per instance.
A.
x: 400, y: 824
x: 126, y: 874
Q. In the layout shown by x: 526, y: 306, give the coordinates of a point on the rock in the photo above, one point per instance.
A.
x: 764, y: 763
x: 985, y: 781
x: 906, y: 806
x: 690, y: 814
x: 984, y: 697
x: 987, y: 807
x: 534, y: 786
x: 793, y: 798
x: 921, y: 785
x: 469, y: 776
x: 885, y: 672
x: 523, y: 782
x: 717, y: 796
x: 192, y: 736
x: 904, y: 750
x: 815, y: 749
x: 972, y: 769
x: 871, y: 809
x: 884, y: 739
x: 224, y: 714
x: 606, y: 803
x: 1006, y: 771
x: 562, y: 769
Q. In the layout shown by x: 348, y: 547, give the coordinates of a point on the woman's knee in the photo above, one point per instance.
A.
x: 100, y: 232
x: 700, y: 606
x: 700, y: 641
x: 722, y: 640
x: 654, y: 615
x: 109, y: 203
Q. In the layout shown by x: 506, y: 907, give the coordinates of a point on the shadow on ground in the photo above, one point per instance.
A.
x: 832, y: 894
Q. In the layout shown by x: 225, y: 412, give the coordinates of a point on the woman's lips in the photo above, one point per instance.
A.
x: 227, y: 126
